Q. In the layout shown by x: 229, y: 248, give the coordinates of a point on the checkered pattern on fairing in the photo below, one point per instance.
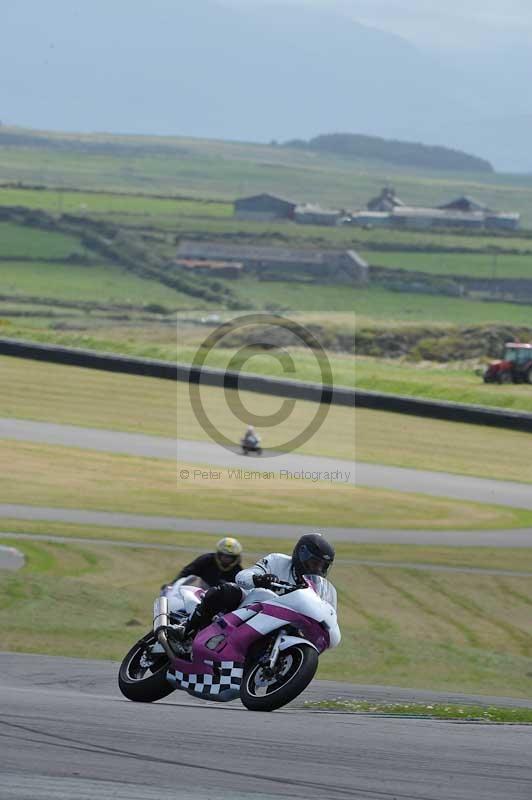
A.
x: 229, y: 677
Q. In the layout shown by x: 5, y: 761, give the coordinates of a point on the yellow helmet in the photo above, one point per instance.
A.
x: 229, y: 547
x: 228, y: 552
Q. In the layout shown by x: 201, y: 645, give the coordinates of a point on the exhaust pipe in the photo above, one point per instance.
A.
x: 161, y: 623
x: 160, y: 614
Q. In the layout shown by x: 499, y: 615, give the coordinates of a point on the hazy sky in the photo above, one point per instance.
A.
x: 462, y: 23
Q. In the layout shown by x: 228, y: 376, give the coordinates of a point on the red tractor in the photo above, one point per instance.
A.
x: 515, y: 366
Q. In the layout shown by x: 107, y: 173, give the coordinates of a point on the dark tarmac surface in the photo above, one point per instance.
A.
x: 68, y: 733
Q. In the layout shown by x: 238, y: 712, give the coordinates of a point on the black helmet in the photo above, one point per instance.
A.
x: 313, y: 555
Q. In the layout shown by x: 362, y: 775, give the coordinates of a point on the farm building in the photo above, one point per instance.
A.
x: 378, y: 219
x: 508, y: 220
x: 315, y: 215
x: 280, y: 263
x: 463, y: 212
x: 218, y: 269
x: 492, y: 219
x: 417, y: 217
x: 387, y: 200
x: 264, y: 207
x: 464, y: 203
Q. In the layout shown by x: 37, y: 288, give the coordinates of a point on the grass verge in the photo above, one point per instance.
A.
x: 398, y: 555
x: 449, y: 711
x: 75, y: 396
x: 65, y: 477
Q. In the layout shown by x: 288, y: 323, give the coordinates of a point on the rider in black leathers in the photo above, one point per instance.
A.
x: 312, y: 554
x: 215, y: 568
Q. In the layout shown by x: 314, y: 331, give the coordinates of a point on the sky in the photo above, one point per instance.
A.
x: 452, y: 24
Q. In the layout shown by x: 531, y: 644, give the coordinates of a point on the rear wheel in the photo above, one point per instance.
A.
x: 529, y: 375
x: 263, y: 690
x: 142, y: 675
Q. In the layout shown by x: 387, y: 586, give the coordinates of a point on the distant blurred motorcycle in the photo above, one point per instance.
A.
x: 251, y: 444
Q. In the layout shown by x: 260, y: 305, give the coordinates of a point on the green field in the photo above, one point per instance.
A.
x: 459, y: 632
x: 382, y: 306
x: 443, y: 382
x: 370, y: 304
x: 457, y: 382
x: 474, y: 265
x: 110, y: 204
x: 104, y: 283
x: 23, y: 242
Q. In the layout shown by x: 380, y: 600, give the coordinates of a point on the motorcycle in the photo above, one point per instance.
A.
x: 251, y: 445
x: 266, y: 652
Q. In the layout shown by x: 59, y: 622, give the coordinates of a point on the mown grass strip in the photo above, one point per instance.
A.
x: 75, y: 396
x: 65, y: 477
x: 400, y: 556
x: 447, y: 711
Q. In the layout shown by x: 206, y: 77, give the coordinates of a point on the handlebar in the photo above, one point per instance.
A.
x: 288, y: 587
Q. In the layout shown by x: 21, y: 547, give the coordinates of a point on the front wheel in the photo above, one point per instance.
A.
x: 295, y: 668
x: 142, y: 675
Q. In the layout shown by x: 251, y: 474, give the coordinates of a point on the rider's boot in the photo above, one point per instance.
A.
x: 225, y: 597
x: 189, y: 629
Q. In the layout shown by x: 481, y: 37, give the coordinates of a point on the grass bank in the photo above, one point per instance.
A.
x: 397, y: 555
x: 63, y: 477
x: 454, y: 632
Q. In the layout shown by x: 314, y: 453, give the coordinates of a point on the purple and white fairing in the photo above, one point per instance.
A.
x: 219, y: 651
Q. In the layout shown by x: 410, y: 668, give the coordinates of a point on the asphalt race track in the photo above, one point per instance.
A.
x: 68, y: 733
x: 521, y: 537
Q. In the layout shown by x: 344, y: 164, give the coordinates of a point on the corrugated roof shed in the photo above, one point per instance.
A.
x: 464, y: 203
x: 254, y: 198
x: 215, y: 251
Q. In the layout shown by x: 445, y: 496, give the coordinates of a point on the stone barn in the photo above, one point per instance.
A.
x: 280, y: 263
x: 264, y: 208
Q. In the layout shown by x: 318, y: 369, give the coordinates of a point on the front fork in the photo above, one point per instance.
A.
x: 276, y: 649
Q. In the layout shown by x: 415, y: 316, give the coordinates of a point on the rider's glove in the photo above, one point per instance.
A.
x: 265, y: 581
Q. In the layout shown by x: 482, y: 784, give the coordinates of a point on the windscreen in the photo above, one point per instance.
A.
x: 323, y: 588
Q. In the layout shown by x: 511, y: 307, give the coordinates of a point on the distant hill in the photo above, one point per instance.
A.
x: 256, y: 72
x: 392, y: 151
